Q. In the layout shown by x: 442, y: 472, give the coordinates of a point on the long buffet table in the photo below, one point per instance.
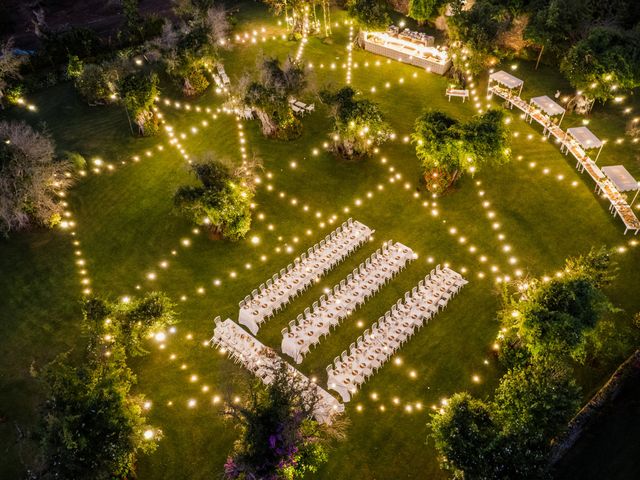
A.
x: 618, y: 205
x: 406, y: 51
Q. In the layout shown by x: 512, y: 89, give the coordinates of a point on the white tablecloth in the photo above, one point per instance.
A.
x: 397, y: 325
x: 262, y: 361
x: 303, y: 274
x: 382, y: 267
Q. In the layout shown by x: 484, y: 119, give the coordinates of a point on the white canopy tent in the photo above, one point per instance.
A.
x: 548, y: 106
x: 621, y: 178
x: 585, y: 138
x: 506, y: 80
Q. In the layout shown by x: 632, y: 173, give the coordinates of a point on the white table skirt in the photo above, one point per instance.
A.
x: 303, y: 275
x: 338, y: 306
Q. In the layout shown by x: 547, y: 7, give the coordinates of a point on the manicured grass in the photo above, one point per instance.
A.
x: 126, y: 227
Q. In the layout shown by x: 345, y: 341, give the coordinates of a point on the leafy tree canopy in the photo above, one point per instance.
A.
x: 139, y: 91
x: 556, y: 24
x: 370, y: 14
x: 604, y: 63
x: 448, y: 148
x: 195, y: 43
x: 92, y: 426
x: 538, y: 398
x: 129, y: 324
x: 479, y: 29
x: 545, y: 324
x: 359, y: 125
x: 222, y: 202
x: 466, y: 436
x: 269, y: 97
x: 509, y: 436
x: 279, y: 437
x: 551, y: 318
x: 423, y: 10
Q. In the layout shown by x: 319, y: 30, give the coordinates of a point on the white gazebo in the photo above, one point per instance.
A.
x: 585, y: 138
x: 548, y: 106
x: 506, y: 80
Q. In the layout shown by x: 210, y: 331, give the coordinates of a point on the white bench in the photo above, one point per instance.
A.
x: 453, y: 92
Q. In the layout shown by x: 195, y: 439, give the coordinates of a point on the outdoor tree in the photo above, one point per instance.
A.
x: 137, y: 320
x: 608, y: 341
x: 423, y: 10
x: 358, y: 124
x: 466, y: 436
x: 597, y: 264
x: 475, y: 444
x: 193, y: 46
x: 187, y: 63
x: 508, y: 437
x: 218, y: 26
x: 31, y: 179
x: 223, y: 200
x: 552, y: 318
x: 448, y: 148
x: 301, y: 15
x: 133, y: 23
x: 478, y: 29
x: 370, y: 14
x: 604, y: 63
x: 555, y: 25
x: 9, y: 68
x: 131, y: 323
x: 269, y: 96
x: 92, y: 426
x: 127, y: 325
x: 138, y: 92
x: 98, y: 83
x: 279, y: 436
x: 545, y: 324
x: 540, y: 397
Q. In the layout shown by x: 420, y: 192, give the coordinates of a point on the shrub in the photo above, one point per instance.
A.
x: 80, y: 41
x: 76, y: 160
x: 96, y: 84
x: 197, y: 82
x: 14, y: 94
x: 75, y: 67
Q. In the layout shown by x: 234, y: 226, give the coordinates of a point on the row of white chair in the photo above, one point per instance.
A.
x: 346, y: 285
x: 296, y: 263
x: 394, y: 317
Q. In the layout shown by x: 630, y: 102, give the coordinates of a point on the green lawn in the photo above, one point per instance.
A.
x: 546, y: 211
